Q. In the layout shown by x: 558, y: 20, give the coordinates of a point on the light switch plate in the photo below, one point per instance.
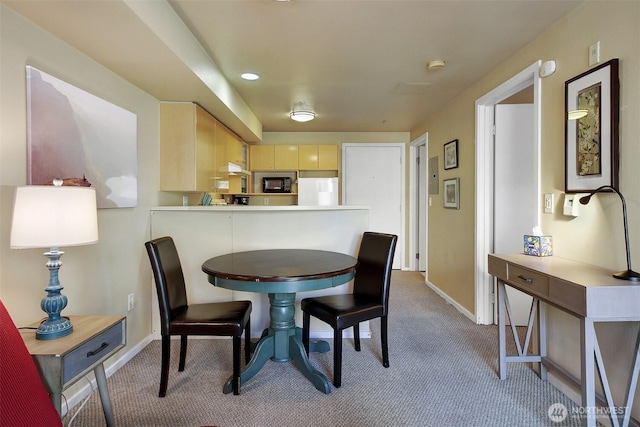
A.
x: 594, y: 53
x: 548, y: 203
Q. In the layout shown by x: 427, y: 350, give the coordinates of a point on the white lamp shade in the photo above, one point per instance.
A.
x: 51, y: 217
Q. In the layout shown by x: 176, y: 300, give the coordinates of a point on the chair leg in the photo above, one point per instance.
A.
x: 236, y: 365
x: 247, y: 342
x: 306, y: 320
x: 356, y: 336
x: 385, y: 346
x: 183, y: 352
x: 337, y: 357
x: 164, y: 368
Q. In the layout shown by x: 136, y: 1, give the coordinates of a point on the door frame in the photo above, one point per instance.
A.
x: 414, y: 149
x: 484, y: 209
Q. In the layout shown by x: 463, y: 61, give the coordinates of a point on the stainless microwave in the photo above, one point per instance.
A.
x: 279, y: 184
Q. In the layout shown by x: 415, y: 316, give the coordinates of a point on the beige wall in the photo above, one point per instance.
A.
x: 593, y: 237
x: 97, y: 278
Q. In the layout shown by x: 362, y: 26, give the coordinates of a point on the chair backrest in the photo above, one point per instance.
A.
x: 375, y: 259
x: 169, y: 278
x: 24, y: 401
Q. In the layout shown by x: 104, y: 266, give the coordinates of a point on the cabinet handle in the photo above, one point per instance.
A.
x: 526, y: 279
x: 98, y: 350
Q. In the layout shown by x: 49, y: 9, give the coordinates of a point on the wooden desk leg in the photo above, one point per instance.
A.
x: 101, y: 379
x: 587, y: 354
x: 542, y: 337
x: 502, y: 338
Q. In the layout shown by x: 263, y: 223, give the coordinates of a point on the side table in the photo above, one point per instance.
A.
x: 63, y: 361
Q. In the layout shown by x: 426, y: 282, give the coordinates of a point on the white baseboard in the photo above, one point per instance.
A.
x: 448, y: 299
x: 80, y: 394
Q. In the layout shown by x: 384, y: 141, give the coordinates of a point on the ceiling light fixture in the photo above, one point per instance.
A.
x: 302, y: 115
x: 250, y: 76
x: 302, y: 112
x: 436, y: 64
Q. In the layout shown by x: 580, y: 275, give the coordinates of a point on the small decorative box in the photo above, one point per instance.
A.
x: 538, y: 245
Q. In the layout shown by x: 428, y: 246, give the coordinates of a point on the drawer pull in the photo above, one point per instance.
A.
x: 98, y: 350
x: 526, y: 279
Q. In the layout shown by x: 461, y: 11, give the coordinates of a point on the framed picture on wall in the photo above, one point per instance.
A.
x: 591, y: 139
x: 451, y: 154
x: 451, y: 191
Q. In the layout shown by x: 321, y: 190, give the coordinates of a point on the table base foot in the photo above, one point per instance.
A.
x: 299, y: 356
x: 265, y: 349
x: 262, y: 352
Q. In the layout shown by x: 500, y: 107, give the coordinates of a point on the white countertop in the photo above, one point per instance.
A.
x: 246, y: 208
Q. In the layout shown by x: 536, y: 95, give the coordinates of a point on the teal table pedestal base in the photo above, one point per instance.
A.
x: 282, y: 342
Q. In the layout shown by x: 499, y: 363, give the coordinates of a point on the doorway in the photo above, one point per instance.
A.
x: 486, y: 165
x: 418, y: 214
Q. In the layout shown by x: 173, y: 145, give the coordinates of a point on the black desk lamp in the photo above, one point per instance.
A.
x: 629, y: 274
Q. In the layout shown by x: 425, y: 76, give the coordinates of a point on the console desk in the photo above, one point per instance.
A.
x: 582, y: 290
x: 63, y: 361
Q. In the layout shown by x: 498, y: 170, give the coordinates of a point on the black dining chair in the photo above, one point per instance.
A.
x: 177, y: 317
x: 369, y: 300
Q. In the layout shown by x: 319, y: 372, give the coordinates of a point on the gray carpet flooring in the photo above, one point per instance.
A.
x: 442, y: 373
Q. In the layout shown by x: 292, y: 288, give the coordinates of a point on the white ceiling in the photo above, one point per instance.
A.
x: 360, y: 64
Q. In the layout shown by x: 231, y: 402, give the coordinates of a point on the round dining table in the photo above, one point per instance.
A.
x: 281, y: 273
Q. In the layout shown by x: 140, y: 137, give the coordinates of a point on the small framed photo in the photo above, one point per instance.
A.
x: 451, y: 154
x: 592, y: 102
x: 451, y: 191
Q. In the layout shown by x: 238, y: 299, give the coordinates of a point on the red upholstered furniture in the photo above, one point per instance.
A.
x: 24, y: 402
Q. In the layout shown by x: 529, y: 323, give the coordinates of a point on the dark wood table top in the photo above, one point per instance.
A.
x: 280, y: 265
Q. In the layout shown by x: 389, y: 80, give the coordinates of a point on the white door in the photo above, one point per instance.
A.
x: 515, y: 190
x: 373, y: 175
x: 421, y: 229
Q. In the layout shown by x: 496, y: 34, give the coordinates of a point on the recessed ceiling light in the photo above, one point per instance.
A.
x: 250, y: 76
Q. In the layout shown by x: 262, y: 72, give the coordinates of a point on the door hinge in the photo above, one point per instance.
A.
x: 493, y: 130
x: 417, y: 255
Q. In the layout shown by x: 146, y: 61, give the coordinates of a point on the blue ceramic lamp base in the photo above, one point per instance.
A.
x: 55, y: 326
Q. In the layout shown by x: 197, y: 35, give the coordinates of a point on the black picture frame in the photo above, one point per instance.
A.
x: 451, y: 193
x: 591, y: 142
x: 451, y: 155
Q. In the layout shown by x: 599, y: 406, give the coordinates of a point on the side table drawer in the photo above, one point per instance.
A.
x: 528, y: 280
x: 91, y: 352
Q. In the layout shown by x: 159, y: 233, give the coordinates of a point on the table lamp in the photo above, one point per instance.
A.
x: 52, y: 217
x: 629, y: 274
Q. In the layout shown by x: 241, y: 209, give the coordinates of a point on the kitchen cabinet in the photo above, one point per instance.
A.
x: 261, y: 157
x: 318, y: 157
x: 273, y: 157
x: 187, y: 148
x: 286, y: 157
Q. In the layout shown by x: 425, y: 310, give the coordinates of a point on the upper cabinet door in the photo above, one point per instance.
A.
x: 261, y: 157
x: 327, y: 157
x: 308, y: 157
x: 286, y: 157
x: 187, y: 148
x: 318, y: 157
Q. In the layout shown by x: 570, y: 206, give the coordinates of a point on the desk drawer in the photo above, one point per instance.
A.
x: 91, y: 352
x: 528, y: 280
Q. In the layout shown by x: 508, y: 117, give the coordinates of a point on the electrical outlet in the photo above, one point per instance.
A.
x: 131, y: 302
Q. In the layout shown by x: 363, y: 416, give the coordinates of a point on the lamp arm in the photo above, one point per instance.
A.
x: 624, y: 218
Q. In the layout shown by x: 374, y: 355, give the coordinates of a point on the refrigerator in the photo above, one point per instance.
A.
x: 317, y: 191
